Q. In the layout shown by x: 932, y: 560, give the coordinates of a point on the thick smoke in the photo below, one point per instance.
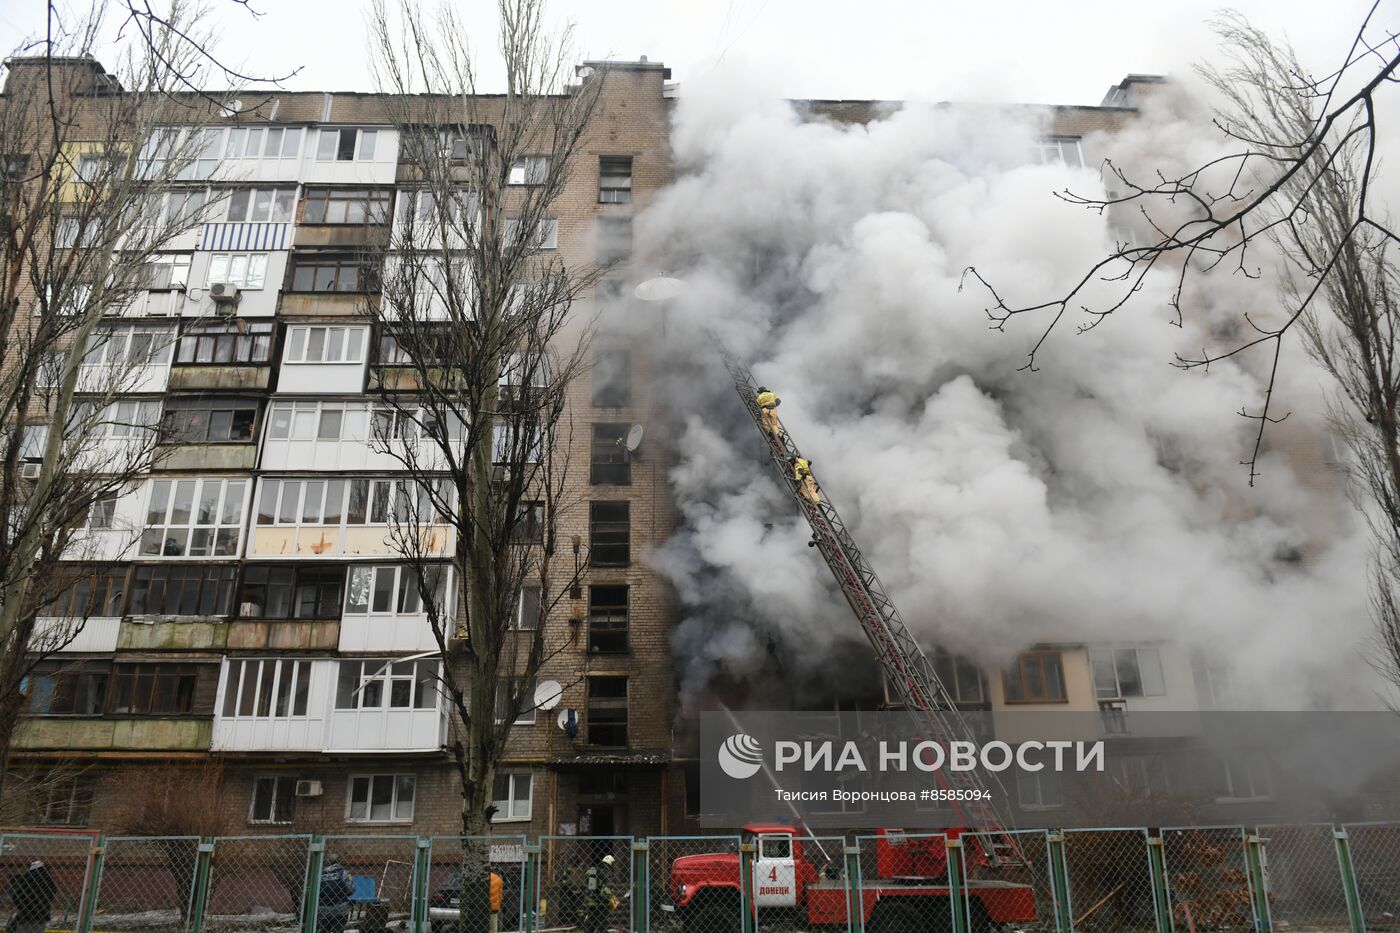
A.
x: 1100, y: 497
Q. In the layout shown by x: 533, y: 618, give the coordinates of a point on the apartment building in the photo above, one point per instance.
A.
x: 256, y: 616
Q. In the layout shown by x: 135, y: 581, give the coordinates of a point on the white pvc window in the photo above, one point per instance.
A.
x: 325, y: 344
x: 194, y: 518
x: 256, y: 142
x: 246, y: 270
x: 267, y: 688
x: 530, y: 170
x: 380, y: 798
x: 132, y: 346
x: 1127, y: 672
x: 319, y: 421
x: 387, y: 684
x: 392, y: 589
x: 346, y: 144
x: 1059, y: 149
x: 261, y: 205
x: 511, y: 796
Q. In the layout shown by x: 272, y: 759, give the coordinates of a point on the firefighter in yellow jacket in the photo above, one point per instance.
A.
x: 802, y: 472
x: 768, y: 403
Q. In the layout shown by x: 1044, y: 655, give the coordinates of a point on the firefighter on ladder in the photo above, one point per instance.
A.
x: 768, y: 403
x: 806, y: 484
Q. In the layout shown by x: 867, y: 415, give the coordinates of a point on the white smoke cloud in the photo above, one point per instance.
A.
x: 1097, y: 498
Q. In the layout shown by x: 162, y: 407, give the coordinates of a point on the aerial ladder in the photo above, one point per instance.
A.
x: 902, y: 659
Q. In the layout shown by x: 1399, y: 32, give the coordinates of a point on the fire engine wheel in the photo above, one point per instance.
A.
x: 910, y: 915
x: 714, y: 914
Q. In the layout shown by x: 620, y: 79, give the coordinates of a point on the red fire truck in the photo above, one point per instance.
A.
x: 792, y: 875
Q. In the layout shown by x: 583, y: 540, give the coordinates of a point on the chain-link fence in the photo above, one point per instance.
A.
x: 63, y: 858
x: 1207, y: 878
x: 585, y: 883
x: 1197, y: 879
x: 1008, y: 880
x: 1375, y: 857
x: 460, y: 892
x: 1303, y: 878
x: 902, y: 882
x: 258, y: 882
x: 147, y: 884
x: 1110, y: 880
x: 694, y: 884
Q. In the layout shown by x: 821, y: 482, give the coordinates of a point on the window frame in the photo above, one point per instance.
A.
x: 284, y: 196
x: 623, y: 191
x: 1108, y: 659
x: 600, y: 528
x: 608, y: 702
x: 610, y: 462
x: 374, y: 205
x: 362, y: 672
x: 1045, y: 696
x: 211, y: 407
x: 608, y: 615
x: 394, y: 778
x: 288, y: 686
x: 148, y: 675
x: 506, y: 814
x: 277, y: 782
x: 342, y: 269
x: 526, y: 172
x: 242, y: 344
x: 301, y: 346
x: 617, y: 391
x: 253, y: 276
x: 357, y: 148
x: 226, y: 527
x: 207, y: 577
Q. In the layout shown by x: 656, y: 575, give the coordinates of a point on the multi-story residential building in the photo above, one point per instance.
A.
x: 256, y: 615
x: 258, y: 618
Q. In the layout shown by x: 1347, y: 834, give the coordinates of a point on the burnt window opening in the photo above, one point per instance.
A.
x: 609, y: 534
x: 607, y: 619
x: 611, y: 463
x: 607, y: 711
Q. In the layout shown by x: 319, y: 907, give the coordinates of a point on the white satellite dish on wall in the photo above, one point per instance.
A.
x: 634, y: 438
x: 548, y: 695
x: 659, y: 288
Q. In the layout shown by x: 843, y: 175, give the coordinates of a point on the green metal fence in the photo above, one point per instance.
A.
x: 1188, y: 879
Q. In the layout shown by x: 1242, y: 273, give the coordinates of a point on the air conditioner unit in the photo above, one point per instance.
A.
x: 29, y: 469
x: 224, y: 293
x: 308, y: 788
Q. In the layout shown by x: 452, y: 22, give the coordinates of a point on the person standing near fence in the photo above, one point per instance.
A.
x: 31, y: 893
x: 333, y: 906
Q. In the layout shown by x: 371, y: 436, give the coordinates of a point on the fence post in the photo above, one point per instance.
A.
x: 92, y: 883
x: 746, y: 895
x: 641, y: 886
x: 1257, y: 862
x: 422, y: 866
x: 311, y: 890
x: 1059, y: 880
x: 953, y: 847
x: 203, y: 867
x: 531, y: 882
x: 855, y: 903
x: 1353, y: 896
x: 1161, y: 898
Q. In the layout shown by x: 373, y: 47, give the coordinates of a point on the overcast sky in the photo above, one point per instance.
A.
x: 1036, y: 51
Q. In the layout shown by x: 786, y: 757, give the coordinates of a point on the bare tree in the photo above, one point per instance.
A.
x: 1301, y: 181
x: 479, y: 347
x: 175, y: 806
x: 89, y: 196
x: 1206, y: 218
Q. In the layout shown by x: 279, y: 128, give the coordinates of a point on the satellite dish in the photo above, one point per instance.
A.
x: 568, y: 721
x: 233, y: 106
x: 634, y: 438
x: 659, y: 288
x: 548, y: 695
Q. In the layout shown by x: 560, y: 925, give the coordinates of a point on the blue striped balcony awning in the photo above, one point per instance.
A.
x: 244, y: 236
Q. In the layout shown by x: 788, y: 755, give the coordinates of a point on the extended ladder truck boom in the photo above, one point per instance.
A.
x: 902, y: 659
